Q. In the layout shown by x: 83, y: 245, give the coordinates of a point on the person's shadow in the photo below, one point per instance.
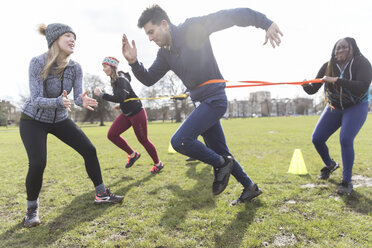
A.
x: 79, y: 211
x: 192, y: 163
x: 198, y: 197
x: 234, y: 233
x: 358, y: 202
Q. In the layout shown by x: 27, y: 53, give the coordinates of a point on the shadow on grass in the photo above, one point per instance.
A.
x: 234, y: 233
x: 79, y: 211
x: 356, y: 201
x: 199, y: 197
x: 192, y: 163
x: 307, y: 176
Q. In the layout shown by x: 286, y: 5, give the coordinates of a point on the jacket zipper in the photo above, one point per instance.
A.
x: 55, y: 111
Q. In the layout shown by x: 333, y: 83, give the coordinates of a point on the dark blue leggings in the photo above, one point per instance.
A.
x: 205, y: 121
x: 351, y: 121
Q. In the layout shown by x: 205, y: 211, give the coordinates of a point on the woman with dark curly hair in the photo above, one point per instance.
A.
x: 346, y: 78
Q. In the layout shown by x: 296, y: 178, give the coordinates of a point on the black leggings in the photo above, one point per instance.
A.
x: 34, y: 137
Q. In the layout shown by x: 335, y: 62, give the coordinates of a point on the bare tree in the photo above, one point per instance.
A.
x: 104, y: 111
x: 169, y: 85
x: 3, y: 115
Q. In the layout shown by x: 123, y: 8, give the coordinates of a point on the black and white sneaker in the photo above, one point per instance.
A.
x: 326, y: 171
x: 222, y: 175
x: 248, y: 194
x: 32, y: 217
x: 108, y: 197
x: 344, y: 188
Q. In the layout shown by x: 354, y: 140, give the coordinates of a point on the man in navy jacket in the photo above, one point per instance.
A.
x: 186, y: 50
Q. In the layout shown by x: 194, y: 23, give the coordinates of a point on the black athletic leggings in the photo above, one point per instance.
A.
x: 34, y: 137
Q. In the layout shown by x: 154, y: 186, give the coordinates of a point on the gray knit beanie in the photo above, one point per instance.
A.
x: 54, y: 30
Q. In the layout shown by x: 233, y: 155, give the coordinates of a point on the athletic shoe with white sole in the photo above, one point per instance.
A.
x: 108, y: 197
x: 32, y: 217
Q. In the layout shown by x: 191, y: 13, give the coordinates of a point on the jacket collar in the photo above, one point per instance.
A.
x: 174, y: 35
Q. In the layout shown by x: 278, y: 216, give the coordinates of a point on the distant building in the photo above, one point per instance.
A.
x: 282, y: 107
x: 260, y: 104
x: 304, y: 106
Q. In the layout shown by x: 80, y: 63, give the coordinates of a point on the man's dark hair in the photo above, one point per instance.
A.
x: 155, y: 14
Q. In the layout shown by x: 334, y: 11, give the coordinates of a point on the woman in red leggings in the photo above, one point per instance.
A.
x: 132, y: 115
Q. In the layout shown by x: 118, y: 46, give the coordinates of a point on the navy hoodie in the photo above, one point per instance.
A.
x: 352, y: 86
x: 191, y: 56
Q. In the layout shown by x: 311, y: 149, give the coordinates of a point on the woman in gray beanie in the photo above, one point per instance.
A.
x: 52, y: 76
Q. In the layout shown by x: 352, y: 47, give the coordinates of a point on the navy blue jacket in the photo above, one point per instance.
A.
x: 191, y: 57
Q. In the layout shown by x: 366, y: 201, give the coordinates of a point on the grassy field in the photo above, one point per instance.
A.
x: 176, y: 208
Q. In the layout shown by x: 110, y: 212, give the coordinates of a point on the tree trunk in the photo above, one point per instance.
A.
x: 177, y: 111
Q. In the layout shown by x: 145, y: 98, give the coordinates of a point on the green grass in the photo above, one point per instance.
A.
x: 176, y: 208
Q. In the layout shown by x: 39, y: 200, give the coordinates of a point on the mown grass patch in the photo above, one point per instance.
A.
x: 176, y: 208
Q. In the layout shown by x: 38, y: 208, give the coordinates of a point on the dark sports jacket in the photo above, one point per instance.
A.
x: 352, y: 86
x: 123, y: 90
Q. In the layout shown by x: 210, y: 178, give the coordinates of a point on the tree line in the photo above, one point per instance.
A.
x: 258, y: 104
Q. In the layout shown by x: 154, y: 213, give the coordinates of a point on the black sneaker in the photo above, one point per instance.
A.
x: 248, y: 194
x: 32, y: 217
x: 326, y: 171
x: 344, y: 188
x: 132, y: 160
x: 108, y: 197
x: 222, y: 175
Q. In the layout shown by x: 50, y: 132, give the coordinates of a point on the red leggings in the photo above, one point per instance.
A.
x: 139, y: 123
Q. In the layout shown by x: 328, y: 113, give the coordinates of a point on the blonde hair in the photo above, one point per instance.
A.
x: 53, y: 55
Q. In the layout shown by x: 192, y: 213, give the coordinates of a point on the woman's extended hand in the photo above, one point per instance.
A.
x: 330, y: 80
x: 88, y: 102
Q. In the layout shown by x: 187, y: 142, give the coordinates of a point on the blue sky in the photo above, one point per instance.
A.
x: 310, y: 30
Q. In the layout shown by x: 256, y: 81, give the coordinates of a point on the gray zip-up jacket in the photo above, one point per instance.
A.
x: 45, y: 101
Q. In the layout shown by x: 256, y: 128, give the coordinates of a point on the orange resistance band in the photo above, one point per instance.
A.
x: 257, y: 83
